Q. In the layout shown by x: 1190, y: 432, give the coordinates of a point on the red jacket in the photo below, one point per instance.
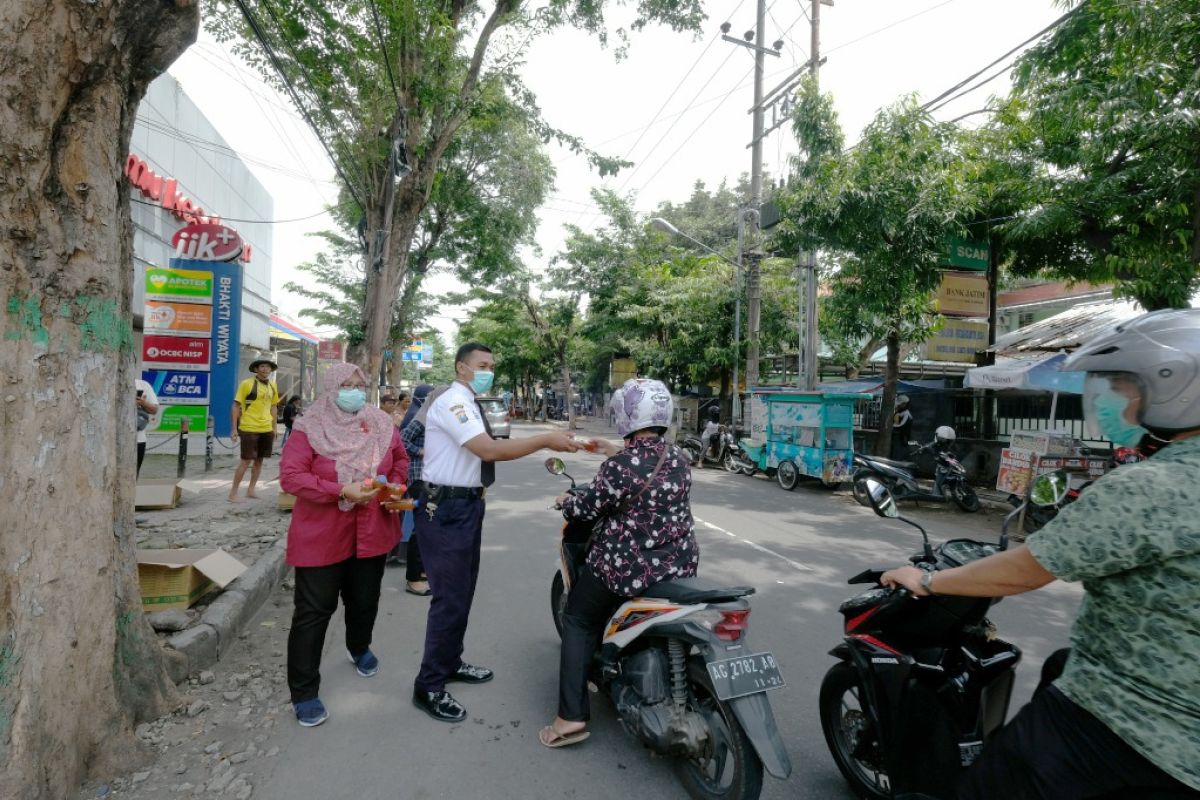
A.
x: 321, y: 533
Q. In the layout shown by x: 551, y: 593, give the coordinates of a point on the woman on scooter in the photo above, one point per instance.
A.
x: 640, y: 499
x: 1123, y: 720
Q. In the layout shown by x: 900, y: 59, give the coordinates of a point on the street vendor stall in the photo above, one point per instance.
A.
x: 795, y: 433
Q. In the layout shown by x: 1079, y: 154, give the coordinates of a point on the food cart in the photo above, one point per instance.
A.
x: 796, y: 433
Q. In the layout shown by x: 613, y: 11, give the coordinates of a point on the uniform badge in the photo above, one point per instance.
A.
x: 460, y: 411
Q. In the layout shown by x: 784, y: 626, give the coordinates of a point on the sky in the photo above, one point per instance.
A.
x: 676, y: 106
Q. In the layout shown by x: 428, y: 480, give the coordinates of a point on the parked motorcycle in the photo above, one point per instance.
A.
x: 949, y: 478
x: 720, y: 451
x: 685, y: 682
x: 920, y: 688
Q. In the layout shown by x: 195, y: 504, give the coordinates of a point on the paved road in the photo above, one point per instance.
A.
x: 797, y: 548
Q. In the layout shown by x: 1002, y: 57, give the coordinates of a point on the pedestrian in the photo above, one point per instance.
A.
x: 147, y: 408
x: 388, y: 403
x: 459, y: 466
x: 255, y: 412
x: 339, y: 534
x: 291, y: 410
x: 902, y: 422
x: 412, y: 433
x: 403, y: 403
x: 640, y: 500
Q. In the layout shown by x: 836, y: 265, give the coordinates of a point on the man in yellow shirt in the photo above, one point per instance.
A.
x: 255, y: 411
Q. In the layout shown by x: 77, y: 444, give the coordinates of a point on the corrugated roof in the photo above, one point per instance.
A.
x: 1068, y: 330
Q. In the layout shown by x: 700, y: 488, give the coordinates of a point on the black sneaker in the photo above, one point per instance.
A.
x: 469, y: 674
x: 439, y: 705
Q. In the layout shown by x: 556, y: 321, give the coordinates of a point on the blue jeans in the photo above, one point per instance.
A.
x: 450, y: 544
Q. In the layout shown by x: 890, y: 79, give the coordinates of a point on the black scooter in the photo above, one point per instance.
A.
x: 949, y: 478
x: 920, y: 687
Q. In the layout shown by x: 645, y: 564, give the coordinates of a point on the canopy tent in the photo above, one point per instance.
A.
x: 1031, y: 373
x: 875, y: 386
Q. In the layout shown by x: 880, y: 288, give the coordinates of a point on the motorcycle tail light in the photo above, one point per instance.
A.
x: 732, y: 625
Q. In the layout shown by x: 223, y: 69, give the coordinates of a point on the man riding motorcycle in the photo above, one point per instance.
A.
x: 712, y: 429
x: 1123, y: 720
x: 640, y: 499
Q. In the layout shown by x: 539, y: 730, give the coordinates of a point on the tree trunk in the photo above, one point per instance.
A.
x: 887, y: 408
x: 79, y: 666
x: 565, y: 370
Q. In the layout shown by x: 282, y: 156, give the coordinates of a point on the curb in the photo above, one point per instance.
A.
x: 203, y: 644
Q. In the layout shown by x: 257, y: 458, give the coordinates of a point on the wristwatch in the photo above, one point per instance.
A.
x: 927, y: 581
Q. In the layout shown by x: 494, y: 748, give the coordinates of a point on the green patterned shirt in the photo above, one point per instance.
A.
x: 1133, y: 538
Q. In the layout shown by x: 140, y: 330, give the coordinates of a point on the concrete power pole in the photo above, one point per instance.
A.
x: 753, y: 273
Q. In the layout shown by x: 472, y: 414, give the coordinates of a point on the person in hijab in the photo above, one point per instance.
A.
x: 340, y: 534
x: 412, y: 433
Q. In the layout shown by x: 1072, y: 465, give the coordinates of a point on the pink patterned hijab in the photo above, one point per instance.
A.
x: 358, y: 441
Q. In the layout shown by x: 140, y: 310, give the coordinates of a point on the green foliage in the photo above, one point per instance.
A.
x: 1104, y: 114
x: 336, y: 287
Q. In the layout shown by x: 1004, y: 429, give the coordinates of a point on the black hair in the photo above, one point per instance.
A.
x: 468, y: 348
x: 401, y: 396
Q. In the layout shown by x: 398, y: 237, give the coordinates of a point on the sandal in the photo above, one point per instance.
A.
x: 552, y: 738
x: 419, y: 588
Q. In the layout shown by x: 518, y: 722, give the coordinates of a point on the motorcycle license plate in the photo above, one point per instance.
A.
x: 743, y: 675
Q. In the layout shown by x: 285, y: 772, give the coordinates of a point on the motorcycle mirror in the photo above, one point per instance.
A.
x: 881, y: 499
x: 1049, y: 489
x: 555, y: 466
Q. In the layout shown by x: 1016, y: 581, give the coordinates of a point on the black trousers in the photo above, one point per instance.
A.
x: 589, y: 606
x: 141, y: 450
x: 357, y: 581
x: 1055, y: 750
x: 450, y: 543
x: 414, y: 567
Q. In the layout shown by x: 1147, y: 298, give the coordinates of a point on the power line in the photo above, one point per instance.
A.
x: 328, y: 210
x: 887, y: 27
x: 387, y: 61
x: 218, y: 148
x: 975, y: 75
x: 1002, y: 71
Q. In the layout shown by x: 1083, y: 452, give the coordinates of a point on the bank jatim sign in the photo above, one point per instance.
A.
x: 207, y: 242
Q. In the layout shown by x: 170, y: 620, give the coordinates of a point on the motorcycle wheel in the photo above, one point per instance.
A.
x: 966, y: 498
x: 729, y: 768
x: 558, y: 601
x: 850, y: 735
x: 787, y: 475
x: 693, y: 454
x: 730, y: 464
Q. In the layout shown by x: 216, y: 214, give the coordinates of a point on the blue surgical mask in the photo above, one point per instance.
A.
x: 1109, y: 407
x: 482, y: 381
x: 351, y: 400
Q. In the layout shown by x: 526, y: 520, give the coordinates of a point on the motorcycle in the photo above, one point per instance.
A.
x: 720, y: 450
x: 685, y: 682
x: 949, y: 478
x: 920, y: 688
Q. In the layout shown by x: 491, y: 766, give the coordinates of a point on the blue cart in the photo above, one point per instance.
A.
x: 795, y: 433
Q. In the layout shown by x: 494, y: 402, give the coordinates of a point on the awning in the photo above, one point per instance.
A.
x: 875, y: 386
x: 1068, y: 330
x: 1034, y: 373
x: 282, y: 329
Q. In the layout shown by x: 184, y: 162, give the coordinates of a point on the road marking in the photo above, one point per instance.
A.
x: 759, y: 547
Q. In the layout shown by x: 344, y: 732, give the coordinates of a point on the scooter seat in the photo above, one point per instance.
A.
x: 689, y: 591
x: 891, y: 463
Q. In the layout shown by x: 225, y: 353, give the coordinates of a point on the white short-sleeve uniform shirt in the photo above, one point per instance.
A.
x: 148, y: 393
x: 452, y: 421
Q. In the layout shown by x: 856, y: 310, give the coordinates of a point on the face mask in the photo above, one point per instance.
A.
x: 1109, y: 407
x: 351, y: 400
x: 482, y: 381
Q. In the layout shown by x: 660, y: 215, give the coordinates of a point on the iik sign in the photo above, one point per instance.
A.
x: 207, y: 242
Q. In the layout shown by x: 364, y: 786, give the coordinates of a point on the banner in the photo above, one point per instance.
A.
x: 963, y: 294
x: 177, y: 319
x: 180, y: 285
x: 179, y: 388
x: 197, y: 417
x: 225, y: 360
x: 957, y: 341
x: 175, y: 352
x: 330, y: 350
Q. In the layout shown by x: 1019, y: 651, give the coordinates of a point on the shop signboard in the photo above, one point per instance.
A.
x: 178, y: 388
x: 968, y: 254
x: 177, y: 319
x: 963, y: 294
x: 330, y: 351
x: 179, y: 285
x: 223, y: 361
x: 207, y: 241
x: 958, y: 341
x: 175, y: 352
x: 170, y: 416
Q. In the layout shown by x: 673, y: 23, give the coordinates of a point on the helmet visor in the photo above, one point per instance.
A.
x: 1112, y: 407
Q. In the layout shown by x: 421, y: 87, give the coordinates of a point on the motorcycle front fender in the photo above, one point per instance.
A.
x: 753, y: 712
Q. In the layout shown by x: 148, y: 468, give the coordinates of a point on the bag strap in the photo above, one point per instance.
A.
x: 629, y: 501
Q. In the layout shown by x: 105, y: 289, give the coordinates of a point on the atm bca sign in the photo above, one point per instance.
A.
x: 207, y: 242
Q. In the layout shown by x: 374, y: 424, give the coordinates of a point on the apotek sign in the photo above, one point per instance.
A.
x: 179, y: 285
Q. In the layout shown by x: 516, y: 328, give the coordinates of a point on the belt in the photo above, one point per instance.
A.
x: 436, y: 493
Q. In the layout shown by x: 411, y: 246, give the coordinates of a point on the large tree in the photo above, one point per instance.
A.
x: 1105, y: 111
x: 78, y: 663
x: 392, y: 82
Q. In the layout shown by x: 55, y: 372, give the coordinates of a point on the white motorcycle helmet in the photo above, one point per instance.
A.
x: 642, y: 403
x: 945, y: 435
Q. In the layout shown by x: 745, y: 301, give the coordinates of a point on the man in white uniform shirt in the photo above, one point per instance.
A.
x: 460, y: 454
x: 147, y: 402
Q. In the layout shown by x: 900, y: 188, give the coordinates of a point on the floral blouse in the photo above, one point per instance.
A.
x: 651, y: 541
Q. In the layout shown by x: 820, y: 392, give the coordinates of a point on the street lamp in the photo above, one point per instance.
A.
x: 660, y: 224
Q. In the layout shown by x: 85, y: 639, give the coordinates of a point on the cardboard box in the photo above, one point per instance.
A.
x: 178, y: 578
x: 158, y: 494
x: 286, y: 501
x: 1046, y: 443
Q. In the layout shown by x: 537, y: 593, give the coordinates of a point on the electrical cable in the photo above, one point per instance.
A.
x: 387, y: 61
x: 888, y: 27
x: 1002, y: 71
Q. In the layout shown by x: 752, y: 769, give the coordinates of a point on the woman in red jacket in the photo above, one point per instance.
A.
x: 340, y: 535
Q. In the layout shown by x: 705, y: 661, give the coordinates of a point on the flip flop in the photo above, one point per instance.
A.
x: 552, y: 738
x: 408, y: 587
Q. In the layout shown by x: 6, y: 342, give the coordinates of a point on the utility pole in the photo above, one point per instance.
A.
x: 812, y: 359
